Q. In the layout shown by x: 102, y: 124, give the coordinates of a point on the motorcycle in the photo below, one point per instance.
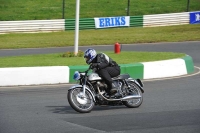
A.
x: 90, y: 91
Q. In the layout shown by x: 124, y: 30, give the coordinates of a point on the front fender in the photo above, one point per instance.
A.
x: 76, y: 86
x: 81, y: 86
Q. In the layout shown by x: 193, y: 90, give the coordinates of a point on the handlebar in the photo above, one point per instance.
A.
x: 90, y: 67
x: 86, y: 71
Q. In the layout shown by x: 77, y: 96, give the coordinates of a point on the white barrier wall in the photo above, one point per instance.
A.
x: 60, y: 74
x: 166, y: 19
x: 34, y: 75
x: 166, y: 68
x: 32, y: 26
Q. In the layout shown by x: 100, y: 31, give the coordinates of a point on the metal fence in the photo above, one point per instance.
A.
x: 89, y: 23
x: 65, y: 9
x: 32, y: 26
x: 85, y: 23
x: 166, y: 19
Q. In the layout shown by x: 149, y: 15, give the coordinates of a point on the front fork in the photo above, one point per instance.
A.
x: 84, y: 90
x: 84, y: 86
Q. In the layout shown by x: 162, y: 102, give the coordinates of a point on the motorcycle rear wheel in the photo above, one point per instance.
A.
x: 134, y: 103
x: 79, y: 102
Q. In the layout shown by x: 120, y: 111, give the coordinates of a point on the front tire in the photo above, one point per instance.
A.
x: 79, y: 102
x: 135, y: 90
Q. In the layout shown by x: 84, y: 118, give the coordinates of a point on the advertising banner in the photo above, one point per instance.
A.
x: 112, y: 22
x: 194, y: 17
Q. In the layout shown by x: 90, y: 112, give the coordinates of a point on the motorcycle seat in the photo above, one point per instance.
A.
x: 122, y: 76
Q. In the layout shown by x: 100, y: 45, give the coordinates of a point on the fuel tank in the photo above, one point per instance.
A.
x: 94, y: 76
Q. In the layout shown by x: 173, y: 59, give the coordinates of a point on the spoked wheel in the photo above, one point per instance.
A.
x: 135, y: 102
x: 80, y: 102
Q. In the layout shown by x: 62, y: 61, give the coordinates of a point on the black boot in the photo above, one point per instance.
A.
x: 107, y: 95
x: 113, y: 90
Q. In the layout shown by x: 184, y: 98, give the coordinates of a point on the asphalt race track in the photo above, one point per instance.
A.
x: 169, y: 106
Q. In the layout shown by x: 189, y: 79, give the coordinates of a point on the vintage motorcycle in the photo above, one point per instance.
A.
x: 91, y: 91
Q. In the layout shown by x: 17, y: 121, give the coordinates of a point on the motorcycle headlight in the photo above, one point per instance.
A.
x: 76, y: 75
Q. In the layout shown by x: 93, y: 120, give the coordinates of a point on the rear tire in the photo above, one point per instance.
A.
x: 134, y: 103
x: 80, y: 103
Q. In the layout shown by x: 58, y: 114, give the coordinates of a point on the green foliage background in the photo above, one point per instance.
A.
x: 53, y: 9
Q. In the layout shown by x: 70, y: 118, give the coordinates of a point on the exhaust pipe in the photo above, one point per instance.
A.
x: 130, y: 97
x: 120, y: 99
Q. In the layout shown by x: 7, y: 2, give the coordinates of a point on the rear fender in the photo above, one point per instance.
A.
x: 138, y: 82
x: 80, y: 86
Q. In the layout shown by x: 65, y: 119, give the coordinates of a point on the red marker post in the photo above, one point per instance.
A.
x: 117, y: 48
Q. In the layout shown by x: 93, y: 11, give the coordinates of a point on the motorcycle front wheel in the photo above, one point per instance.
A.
x: 135, y: 90
x: 80, y: 102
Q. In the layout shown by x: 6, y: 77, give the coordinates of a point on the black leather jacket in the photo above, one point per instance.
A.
x: 104, y: 61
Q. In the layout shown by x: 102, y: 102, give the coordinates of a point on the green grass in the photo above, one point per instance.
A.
x: 58, y: 60
x: 48, y: 9
x: 102, y: 37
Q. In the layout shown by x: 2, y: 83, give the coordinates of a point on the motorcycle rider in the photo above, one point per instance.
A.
x: 105, y: 67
